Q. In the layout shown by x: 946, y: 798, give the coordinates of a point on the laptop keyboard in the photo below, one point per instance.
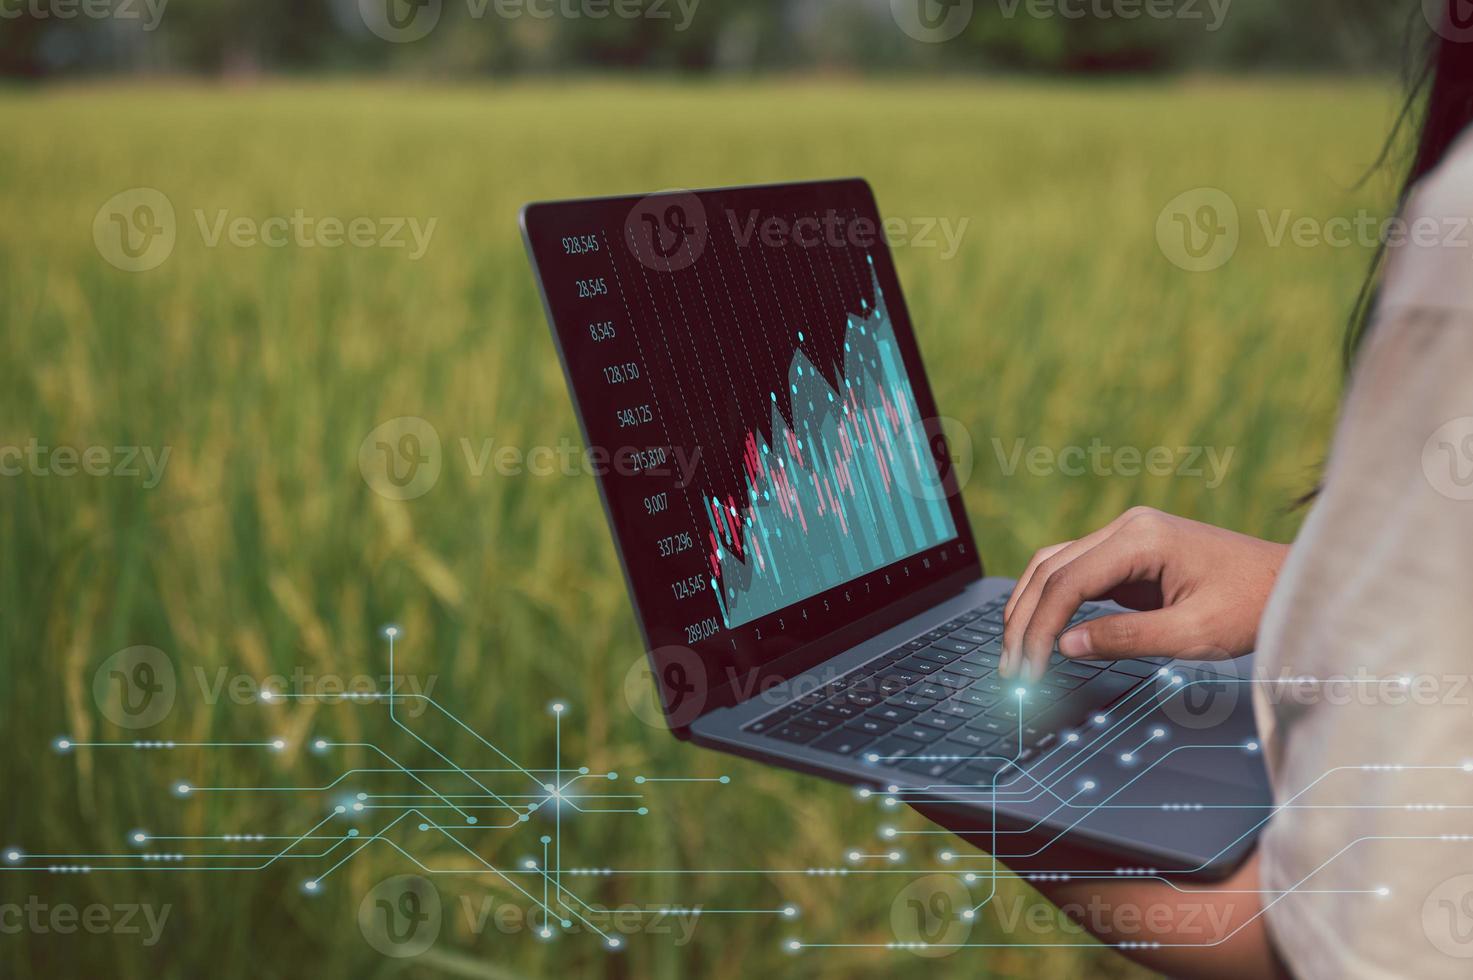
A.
x: 940, y: 697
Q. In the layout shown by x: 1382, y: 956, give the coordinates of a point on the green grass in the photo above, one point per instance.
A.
x: 263, y: 550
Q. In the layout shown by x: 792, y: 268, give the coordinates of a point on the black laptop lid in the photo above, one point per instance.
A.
x: 754, y: 405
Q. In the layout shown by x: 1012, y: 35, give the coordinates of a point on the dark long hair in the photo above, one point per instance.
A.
x: 1440, y: 104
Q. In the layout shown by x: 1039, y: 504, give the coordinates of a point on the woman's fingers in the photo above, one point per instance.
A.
x: 1060, y: 591
x: 1155, y: 633
x: 1056, y: 554
x: 1039, y: 557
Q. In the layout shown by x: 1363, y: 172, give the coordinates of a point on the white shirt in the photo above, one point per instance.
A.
x: 1368, y: 863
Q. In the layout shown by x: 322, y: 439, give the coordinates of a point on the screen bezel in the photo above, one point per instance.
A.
x: 963, y: 561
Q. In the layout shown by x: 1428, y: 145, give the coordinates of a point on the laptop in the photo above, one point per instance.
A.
x: 785, y: 498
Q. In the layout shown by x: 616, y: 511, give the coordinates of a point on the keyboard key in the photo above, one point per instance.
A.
x: 920, y: 665
x: 934, y: 635
x: 1135, y: 668
x: 843, y: 742
x: 893, y: 750
x: 872, y: 726
x: 931, y: 692
x: 939, y: 654
x: 1076, y: 668
x: 951, y: 646
x: 973, y: 695
x: 959, y: 708
x: 954, y: 682
x: 983, y: 772
x: 971, y: 636
x: 837, y: 709
x: 795, y: 731
x: 939, y: 720
x: 973, y: 671
x: 910, y: 701
x: 819, y: 721
x: 863, y: 699
x: 930, y: 768
x: 892, y: 713
x: 915, y: 645
x: 1105, y: 689
x: 919, y: 733
x: 970, y: 742
x: 990, y: 726
x: 1066, y: 681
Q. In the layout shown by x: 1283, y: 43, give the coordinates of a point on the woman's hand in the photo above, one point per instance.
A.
x: 1200, y: 591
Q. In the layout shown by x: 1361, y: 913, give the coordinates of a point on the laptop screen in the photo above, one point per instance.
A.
x: 755, y: 408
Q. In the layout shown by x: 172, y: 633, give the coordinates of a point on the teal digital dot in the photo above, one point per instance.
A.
x: 546, y: 839
x: 639, y: 779
x: 725, y: 779
x: 470, y: 819
x: 644, y: 811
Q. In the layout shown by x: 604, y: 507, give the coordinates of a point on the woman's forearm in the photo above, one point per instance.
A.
x: 1191, y: 931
